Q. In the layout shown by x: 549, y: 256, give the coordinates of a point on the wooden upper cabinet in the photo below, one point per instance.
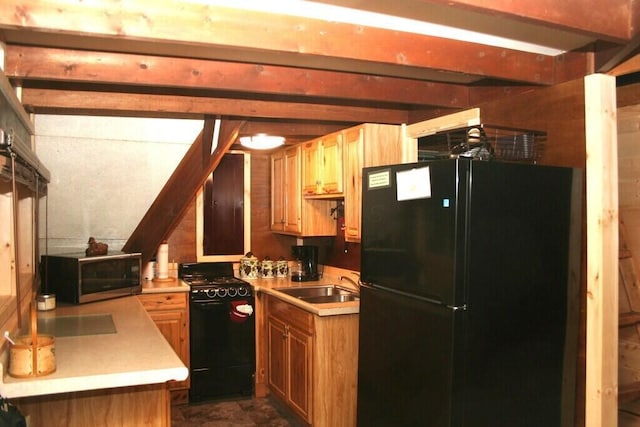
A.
x: 278, y: 190
x: 353, y: 161
x: 285, y: 191
x: 330, y: 168
x: 368, y: 145
x: 293, y: 194
x: 311, y: 163
x: 322, y: 166
x: 290, y: 212
x: 332, y: 158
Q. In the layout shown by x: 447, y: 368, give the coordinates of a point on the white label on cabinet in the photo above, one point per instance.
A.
x: 413, y: 184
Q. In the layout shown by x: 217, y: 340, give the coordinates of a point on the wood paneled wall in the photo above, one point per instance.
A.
x: 560, y: 112
x: 629, y: 199
x: 556, y: 110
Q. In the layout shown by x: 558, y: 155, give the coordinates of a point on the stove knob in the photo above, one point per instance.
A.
x: 210, y: 293
x: 243, y: 291
x: 221, y: 292
x: 232, y: 292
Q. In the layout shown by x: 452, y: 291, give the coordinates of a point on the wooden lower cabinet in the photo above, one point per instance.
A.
x: 170, y: 313
x: 290, y: 360
x: 312, y: 363
x: 145, y: 405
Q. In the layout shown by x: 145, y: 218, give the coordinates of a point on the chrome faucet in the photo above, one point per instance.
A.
x: 349, y: 279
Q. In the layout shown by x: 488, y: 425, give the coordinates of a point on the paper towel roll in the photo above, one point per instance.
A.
x: 162, y: 258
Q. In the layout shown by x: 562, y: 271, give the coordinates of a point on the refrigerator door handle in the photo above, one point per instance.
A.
x: 412, y: 296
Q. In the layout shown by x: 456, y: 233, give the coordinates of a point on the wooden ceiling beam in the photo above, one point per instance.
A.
x: 39, y: 100
x: 299, y: 131
x: 630, y: 66
x: 608, y: 20
x: 50, y: 64
x: 263, y: 36
x: 610, y: 58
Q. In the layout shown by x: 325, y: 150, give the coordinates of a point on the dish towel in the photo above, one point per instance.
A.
x: 240, y: 311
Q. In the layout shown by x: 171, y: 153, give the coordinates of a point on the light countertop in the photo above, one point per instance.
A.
x: 331, y: 275
x: 135, y: 354
x: 154, y: 287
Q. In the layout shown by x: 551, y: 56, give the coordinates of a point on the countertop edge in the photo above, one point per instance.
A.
x: 40, y: 386
x: 151, y: 287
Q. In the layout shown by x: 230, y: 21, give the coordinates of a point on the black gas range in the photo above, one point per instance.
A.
x: 213, y: 281
x: 222, y: 331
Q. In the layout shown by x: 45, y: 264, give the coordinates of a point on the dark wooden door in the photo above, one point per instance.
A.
x: 223, y: 208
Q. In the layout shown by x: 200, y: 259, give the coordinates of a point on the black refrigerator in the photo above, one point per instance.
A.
x: 469, y: 304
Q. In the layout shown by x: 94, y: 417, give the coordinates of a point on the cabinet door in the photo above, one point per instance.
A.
x: 170, y: 313
x: 332, y: 164
x: 293, y: 195
x: 300, y: 369
x: 311, y: 157
x: 278, y: 191
x: 353, y: 160
x: 171, y: 325
x: 277, y: 363
x: 223, y: 208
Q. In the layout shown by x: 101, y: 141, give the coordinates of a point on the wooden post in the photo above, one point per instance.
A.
x: 602, y: 252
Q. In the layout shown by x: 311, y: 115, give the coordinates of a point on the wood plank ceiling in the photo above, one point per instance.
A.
x: 295, y: 76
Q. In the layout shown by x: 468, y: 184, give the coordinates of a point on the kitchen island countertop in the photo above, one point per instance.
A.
x: 136, y: 354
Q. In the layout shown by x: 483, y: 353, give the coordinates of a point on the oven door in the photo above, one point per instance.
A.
x: 222, y: 350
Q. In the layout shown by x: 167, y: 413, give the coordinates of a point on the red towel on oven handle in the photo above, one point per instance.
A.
x: 235, y: 315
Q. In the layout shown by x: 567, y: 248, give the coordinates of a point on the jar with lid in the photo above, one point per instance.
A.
x: 249, y: 266
x: 46, y: 302
x: 282, y: 268
x: 267, y: 269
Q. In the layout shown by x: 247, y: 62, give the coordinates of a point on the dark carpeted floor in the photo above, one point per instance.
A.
x: 232, y: 413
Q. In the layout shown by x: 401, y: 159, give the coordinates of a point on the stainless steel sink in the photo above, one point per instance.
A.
x: 330, y: 298
x: 321, y: 294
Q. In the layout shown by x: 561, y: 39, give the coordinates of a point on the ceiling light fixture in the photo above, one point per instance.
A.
x: 261, y: 141
x: 332, y: 13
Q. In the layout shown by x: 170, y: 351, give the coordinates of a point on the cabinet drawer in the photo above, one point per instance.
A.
x: 291, y: 314
x: 164, y: 301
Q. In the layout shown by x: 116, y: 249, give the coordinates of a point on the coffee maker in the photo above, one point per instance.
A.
x: 305, y: 264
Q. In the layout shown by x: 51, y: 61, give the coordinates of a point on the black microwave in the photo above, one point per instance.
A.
x: 76, y: 278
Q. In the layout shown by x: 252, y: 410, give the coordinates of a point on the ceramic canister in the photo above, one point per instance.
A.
x: 282, y: 268
x: 267, y: 269
x: 249, y: 267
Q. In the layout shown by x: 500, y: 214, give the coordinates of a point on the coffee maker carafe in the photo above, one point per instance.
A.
x: 305, y: 264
